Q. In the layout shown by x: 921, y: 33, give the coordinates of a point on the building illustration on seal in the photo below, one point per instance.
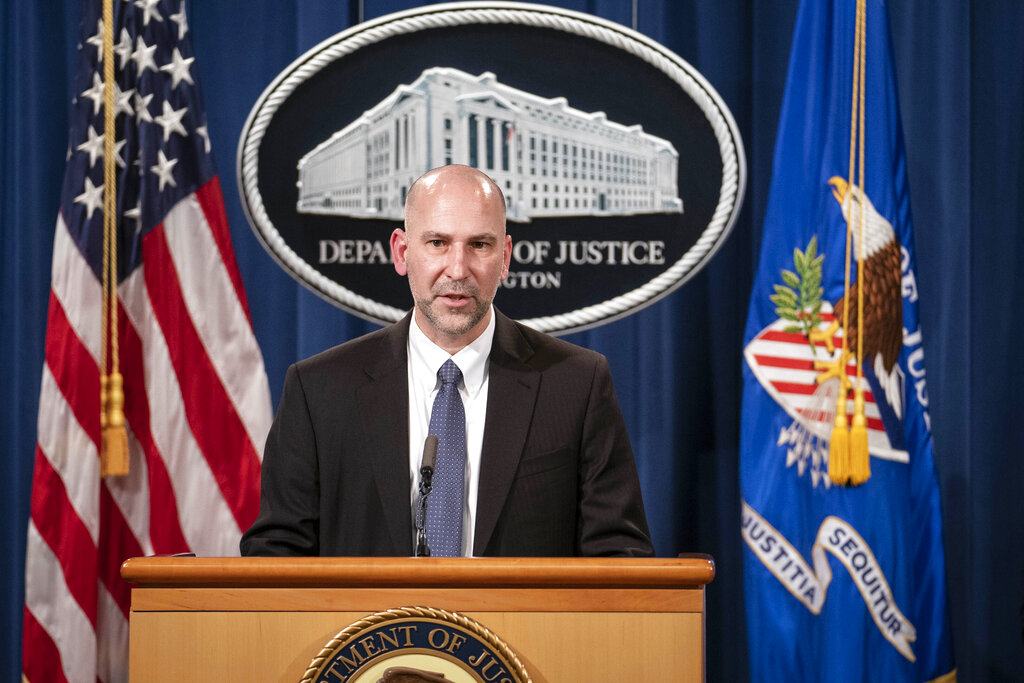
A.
x: 550, y: 159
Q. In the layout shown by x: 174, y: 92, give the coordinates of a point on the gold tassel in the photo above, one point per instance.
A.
x: 114, y: 457
x: 848, y: 449
x: 839, y: 443
x: 860, y: 460
x: 839, y: 446
x: 860, y: 465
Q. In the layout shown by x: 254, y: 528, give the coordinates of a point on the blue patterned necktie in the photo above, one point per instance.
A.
x: 448, y: 424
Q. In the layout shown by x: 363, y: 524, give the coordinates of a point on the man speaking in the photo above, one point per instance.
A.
x: 532, y: 454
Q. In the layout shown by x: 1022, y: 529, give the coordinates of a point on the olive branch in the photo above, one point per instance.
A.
x: 799, y: 299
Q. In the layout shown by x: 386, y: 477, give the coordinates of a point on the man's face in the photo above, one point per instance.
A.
x: 455, y: 251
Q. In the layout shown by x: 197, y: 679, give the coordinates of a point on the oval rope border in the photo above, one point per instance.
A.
x: 538, y: 16
x: 352, y: 630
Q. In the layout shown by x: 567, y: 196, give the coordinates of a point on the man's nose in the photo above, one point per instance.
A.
x: 456, y: 262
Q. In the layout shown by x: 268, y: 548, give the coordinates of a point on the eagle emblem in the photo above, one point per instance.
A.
x: 800, y: 359
x: 883, y: 301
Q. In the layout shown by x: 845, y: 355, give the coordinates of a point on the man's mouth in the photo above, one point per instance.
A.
x: 455, y: 298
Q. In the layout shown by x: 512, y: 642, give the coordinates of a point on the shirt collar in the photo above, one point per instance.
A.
x: 472, y: 359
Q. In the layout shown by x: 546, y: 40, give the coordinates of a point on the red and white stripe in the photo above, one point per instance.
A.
x: 784, y: 365
x: 198, y: 410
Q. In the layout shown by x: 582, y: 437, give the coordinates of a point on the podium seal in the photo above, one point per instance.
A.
x: 416, y: 645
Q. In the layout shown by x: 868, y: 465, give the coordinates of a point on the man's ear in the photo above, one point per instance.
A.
x: 507, y: 256
x: 398, y: 247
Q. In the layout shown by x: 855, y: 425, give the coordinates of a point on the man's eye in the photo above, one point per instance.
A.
x: 436, y: 243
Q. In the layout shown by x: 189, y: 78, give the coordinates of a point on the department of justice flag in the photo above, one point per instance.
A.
x: 842, y: 583
x: 196, y: 397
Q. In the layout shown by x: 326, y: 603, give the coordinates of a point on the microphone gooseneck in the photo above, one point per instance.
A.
x: 426, y: 474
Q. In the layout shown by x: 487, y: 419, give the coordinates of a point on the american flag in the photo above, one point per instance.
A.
x: 196, y: 396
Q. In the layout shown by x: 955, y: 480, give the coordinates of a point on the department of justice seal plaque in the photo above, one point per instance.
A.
x: 416, y: 645
x: 623, y: 170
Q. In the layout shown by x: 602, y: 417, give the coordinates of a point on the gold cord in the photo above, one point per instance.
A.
x: 846, y: 443
x: 860, y: 461
x: 114, y: 443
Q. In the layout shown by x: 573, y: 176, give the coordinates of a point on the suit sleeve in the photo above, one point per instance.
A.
x: 288, y: 522
x: 611, y: 517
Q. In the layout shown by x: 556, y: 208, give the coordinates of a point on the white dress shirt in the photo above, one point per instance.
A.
x: 425, y: 359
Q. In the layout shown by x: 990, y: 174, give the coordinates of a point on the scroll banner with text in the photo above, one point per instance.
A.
x: 622, y: 169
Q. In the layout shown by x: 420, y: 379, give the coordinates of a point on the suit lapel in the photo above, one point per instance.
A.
x: 511, y: 395
x: 384, y: 407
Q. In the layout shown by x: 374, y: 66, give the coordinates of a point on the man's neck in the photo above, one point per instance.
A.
x: 452, y: 344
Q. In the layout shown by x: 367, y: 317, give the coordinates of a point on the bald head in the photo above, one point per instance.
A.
x: 454, y: 251
x: 455, y: 181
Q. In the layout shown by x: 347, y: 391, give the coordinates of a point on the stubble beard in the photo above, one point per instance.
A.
x: 453, y: 323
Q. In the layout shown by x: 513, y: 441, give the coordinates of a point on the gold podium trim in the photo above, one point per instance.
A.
x: 435, y: 572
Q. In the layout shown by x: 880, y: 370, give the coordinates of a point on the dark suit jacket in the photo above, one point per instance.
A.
x: 557, y: 476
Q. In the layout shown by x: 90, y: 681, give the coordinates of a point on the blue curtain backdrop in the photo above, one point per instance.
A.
x: 677, y: 363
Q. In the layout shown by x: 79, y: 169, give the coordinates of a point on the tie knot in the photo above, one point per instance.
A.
x: 449, y: 373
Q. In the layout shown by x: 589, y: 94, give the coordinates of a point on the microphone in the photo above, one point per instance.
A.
x: 429, y: 458
x: 426, y: 474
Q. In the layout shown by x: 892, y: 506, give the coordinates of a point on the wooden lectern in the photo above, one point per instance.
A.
x: 265, y: 619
